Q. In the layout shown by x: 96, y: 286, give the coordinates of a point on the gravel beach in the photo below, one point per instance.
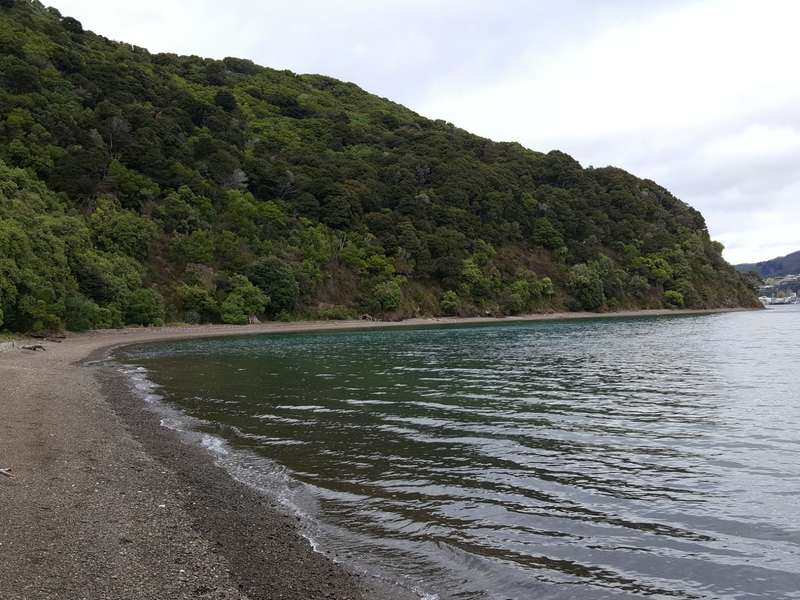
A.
x: 98, y: 500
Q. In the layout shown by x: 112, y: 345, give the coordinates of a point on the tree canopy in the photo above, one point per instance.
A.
x: 139, y: 188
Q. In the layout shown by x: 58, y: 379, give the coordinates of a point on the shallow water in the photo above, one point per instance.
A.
x: 654, y: 457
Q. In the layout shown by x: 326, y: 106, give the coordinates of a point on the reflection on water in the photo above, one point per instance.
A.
x: 578, y: 459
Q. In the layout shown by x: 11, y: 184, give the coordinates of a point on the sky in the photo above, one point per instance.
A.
x: 701, y: 96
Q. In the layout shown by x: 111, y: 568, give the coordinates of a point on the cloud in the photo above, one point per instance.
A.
x: 701, y: 98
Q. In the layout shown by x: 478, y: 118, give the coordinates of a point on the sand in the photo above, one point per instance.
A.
x: 106, y: 503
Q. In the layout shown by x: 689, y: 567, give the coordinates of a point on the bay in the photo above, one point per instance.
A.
x: 603, y: 458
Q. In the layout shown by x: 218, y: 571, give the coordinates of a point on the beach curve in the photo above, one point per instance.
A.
x: 106, y: 503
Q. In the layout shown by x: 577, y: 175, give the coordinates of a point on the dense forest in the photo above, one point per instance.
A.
x: 776, y: 267
x: 139, y: 189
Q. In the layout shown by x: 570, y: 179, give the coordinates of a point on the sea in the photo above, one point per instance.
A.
x: 644, y: 457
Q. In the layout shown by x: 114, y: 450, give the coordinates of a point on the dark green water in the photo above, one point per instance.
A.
x: 630, y: 458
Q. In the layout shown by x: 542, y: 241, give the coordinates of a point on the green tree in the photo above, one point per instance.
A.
x: 117, y: 230
x: 276, y: 279
x: 79, y: 314
x: 545, y: 234
x: 673, y: 299
x: 450, y: 303
x: 587, y: 286
x: 753, y: 279
x: 144, y: 307
x: 194, y: 298
x: 243, y: 300
x: 388, y: 295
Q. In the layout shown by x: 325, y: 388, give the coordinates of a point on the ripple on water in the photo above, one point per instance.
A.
x: 588, y: 459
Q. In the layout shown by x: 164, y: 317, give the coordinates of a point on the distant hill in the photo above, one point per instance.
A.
x: 776, y: 267
x: 140, y: 188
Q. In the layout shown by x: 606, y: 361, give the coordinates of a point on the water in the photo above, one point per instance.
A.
x: 648, y: 457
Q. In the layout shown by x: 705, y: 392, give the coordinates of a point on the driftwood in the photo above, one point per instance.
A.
x: 369, y: 318
x: 7, y: 473
x: 34, y: 347
x: 55, y: 337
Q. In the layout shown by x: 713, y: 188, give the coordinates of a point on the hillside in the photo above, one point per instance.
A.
x: 138, y: 188
x: 776, y: 267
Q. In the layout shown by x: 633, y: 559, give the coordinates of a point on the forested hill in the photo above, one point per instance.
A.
x: 776, y: 267
x: 138, y: 188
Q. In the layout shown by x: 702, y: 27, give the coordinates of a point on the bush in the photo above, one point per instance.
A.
x: 192, y: 318
x: 673, y: 299
x: 587, y: 286
x: 450, y: 303
x: 245, y: 298
x: 109, y: 317
x: 638, y: 286
x: 545, y: 234
x: 145, y: 307
x: 337, y: 313
x: 41, y: 311
x: 231, y: 312
x: 276, y: 279
x: 197, y: 300
x: 388, y: 295
x: 691, y: 297
x: 79, y: 313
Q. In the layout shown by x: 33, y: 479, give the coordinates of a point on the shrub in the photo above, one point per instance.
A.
x: 587, y: 286
x: 144, y: 307
x: 276, y: 279
x: 231, y: 312
x: 336, y: 313
x: 545, y: 234
x: 197, y: 300
x: 388, y: 295
x: 673, y: 299
x: 450, y: 303
x: 109, y: 317
x: 79, y: 313
x: 192, y: 318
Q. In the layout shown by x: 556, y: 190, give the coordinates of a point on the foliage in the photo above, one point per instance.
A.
x: 673, y: 299
x: 275, y: 278
x: 192, y: 318
x: 244, y: 299
x: 388, y: 295
x: 144, y: 307
x: 587, y: 286
x: 450, y: 303
x: 196, y: 300
x: 121, y: 170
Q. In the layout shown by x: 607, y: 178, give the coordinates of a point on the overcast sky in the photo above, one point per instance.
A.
x: 702, y: 96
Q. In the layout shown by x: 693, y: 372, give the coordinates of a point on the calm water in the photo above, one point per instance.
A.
x: 654, y: 457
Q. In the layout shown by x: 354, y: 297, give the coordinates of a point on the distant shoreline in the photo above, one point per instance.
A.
x: 116, y: 337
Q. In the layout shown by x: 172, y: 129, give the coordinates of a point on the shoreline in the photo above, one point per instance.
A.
x: 171, y: 332
x: 109, y: 503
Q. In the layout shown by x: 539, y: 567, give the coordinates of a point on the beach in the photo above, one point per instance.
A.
x: 100, y: 501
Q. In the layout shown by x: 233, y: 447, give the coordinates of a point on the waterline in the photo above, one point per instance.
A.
x: 568, y: 460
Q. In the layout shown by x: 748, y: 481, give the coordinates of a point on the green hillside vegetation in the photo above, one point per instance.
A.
x: 140, y: 188
x: 776, y: 267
